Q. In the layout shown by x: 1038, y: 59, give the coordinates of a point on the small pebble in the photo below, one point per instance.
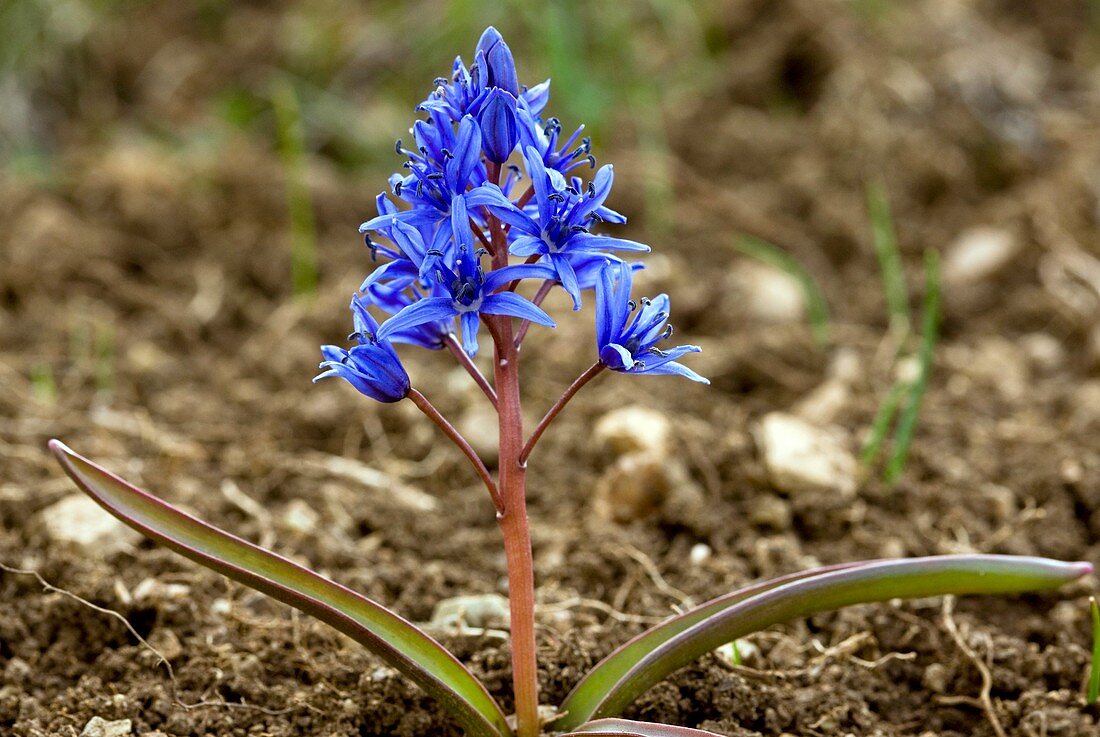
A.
x: 803, y: 457
x: 632, y: 429
x: 475, y: 610
x: 478, y: 424
x: 700, y: 554
x: 935, y: 678
x: 770, y: 512
x: 301, y: 517
x: 100, y: 727
x: 79, y: 521
x: 634, y: 487
x: 978, y: 254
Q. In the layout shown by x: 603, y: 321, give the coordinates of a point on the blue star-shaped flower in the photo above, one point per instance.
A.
x: 630, y: 346
x: 469, y: 293
x: 372, y: 366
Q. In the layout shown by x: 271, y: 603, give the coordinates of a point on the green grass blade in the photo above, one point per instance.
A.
x: 396, y: 641
x: 871, y: 582
x: 609, y: 670
x: 884, y: 417
x: 885, y: 240
x: 292, y: 152
x: 1094, y: 673
x: 817, y: 309
x: 930, y: 329
x: 630, y: 728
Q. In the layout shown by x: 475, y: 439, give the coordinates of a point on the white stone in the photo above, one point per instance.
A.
x: 100, y: 727
x: 475, y: 610
x: 802, y: 457
x: 700, y: 554
x: 150, y: 589
x: 633, y: 428
x: 478, y: 424
x: 978, y: 254
x: 767, y: 293
x: 79, y: 521
x: 301, y: 517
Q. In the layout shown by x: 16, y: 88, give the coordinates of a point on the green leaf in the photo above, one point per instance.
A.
x: 628, y: 728
x: 806, y: 595
x: 889, y: 258
x: 616, y: 665
x: 396, y: 641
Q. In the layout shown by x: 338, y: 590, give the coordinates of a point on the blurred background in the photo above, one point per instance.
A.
x: 180, y: 187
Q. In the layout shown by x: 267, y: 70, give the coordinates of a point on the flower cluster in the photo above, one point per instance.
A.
x: 461, y: 196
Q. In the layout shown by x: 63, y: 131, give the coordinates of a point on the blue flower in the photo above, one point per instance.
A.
x: 559, y: 232
x: 469, y: 293
x: 372, y: 366
x: 631, y: 346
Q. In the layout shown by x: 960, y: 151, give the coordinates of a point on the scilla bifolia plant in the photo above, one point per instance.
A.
x: 449, y: 251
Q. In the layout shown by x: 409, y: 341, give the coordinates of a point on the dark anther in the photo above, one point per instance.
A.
x: 422, y: 149
x: 434, y: 252
x: 481, y: 252
x: 586, y: 143
x: 667, y: 334
x: 420, y: 188
x: 577, y: 229
x: 435, y: 175
x: 595, y: 217
x: 591, y: 190
x: 407, y: 165
x: 591, y: 161
x: 646, y: 301
x: 357, y: 336
x: 439, y: 82
x: 556, y: 197
x: 578, y: 151
x: 640, y: 365
x: 658, y: 352
x: 397, y: 188
x: 397, y: 147
x: 632, y: 305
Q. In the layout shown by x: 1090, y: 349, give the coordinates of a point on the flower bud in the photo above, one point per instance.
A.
x: 500, y: 66
x: 499, y: 132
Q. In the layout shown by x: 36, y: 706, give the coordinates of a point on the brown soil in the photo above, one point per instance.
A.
x: 148, y: 277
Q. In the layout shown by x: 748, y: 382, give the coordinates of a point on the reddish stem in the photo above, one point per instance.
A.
x: 481, y: 236
x: 471, y: 368
x: 513, y: 517
x: 592, y: 372
x: 449, y: 430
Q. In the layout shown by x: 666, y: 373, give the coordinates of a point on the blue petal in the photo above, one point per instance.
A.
x: 616, y: 358
x: 510, y: 303
x: 470, y: 324
x: 418, y: 313
x: 535, y: 98
x: 527, y: 245
x: 568, y: 278
x: 498, y: 278
x: 466, y: 155
x: 588, y: 243
x: 541, y: 182
x: 674, y: 369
